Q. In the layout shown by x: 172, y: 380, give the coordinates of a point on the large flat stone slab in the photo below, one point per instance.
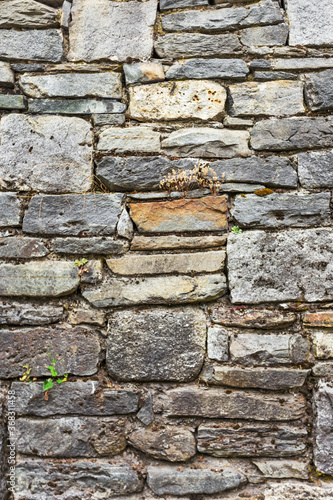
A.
x: 129, y: 140
x: 27, y: 14
x: 293, y: 265
x: 177, y: 45
x: 31, y: 45
x: 315, y: 169
x: 16, y: 313
x: 234, y: 69
x: 158, y: 344
x: 9, y: 210
x: 101, y: 29
x: 323, y: 449
x: 310, y: 24
x: 45, y: 153
x: 319, y: 90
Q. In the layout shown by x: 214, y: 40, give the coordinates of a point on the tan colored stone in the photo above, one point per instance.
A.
x: 319, y: 318
x: 253, y: 318
x: 173, y: 241
x: 322, y: 344
x: 79, y: 316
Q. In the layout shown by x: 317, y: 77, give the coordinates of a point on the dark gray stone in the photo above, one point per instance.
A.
x: 28, y: 67
x: 180, y: 4
x: 75, y: 106
x: 10, y: 101
x: 92, y: 245
x: 234, y: 69
x: 283, y: 210
x: 146, y: 413
x: 323, y: 427
x: 17, y: 247
x: 78, y: 398
x: 73, y: 214
x: 315, y: 170
x: 178, y: 45
x: 27, y: 14
x: 34, y: 45
x: 319, y: 90
x: 9, y: 210
x: 159, y: 344
x: 15, y: 313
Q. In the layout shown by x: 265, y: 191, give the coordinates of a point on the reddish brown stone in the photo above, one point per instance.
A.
x: 319, y: 318
x: 253, y: 318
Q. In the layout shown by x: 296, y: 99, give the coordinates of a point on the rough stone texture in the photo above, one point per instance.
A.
x: 31, y: 45
x: 203, y: 100
x: 27, y: 14
x: 91, y: 316
x: 323, y: 449
x: 172, y: 444
x: 108, y: 119
x: 217, y: 344
x: 167, y: 290
x: 32, y: 346
x: 180, y: 4
x: 263, y: 13
x: 15, y: 313
x: 10, y: 101
x: 269, y: 36
x: 265, y: 319
x: 9, y: 210
x: 207, y: 142
x: 274, y: 75
x: 143, y: 73
x: 125, y: 227
x: 323, y: 369
x: 322, y: 344
x: 251, y: 440
x: 71, y: 437
x: 319, y: 90
x: 101, y: 29
x: 286, y: 134
x: 319, y: 318
x: 278, y: 469
x: 131, y: 139
x: 75, y: 106
x: 174, y: 242
x: 298, y: 491
x: 22, y: 248
x: 300, y: 63
x: 74, y: 214
x: 218, y: 403
x: 7, y: 77
x: 167, y: 263
x: 275, y: 266
x: 45, y: 153
x: 92, y: 245
x: 158, y: 344
x: 283, y: 210
x: 38, y: 279
x: 106, y: 84
x: 234, y: 69
x: 78, y: 398
x: 310, y: 24
x: 280, y: 98
x: 178, y: 45
x: 315, y: 169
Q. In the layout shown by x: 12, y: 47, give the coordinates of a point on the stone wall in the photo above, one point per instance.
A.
x: 198, y: 333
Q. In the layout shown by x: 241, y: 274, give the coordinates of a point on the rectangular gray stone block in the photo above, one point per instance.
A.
x: 217, y: 344
x: 178, y: 45
x: 11, y: 101
x: 16, y: 313
x: 181, y: 4
x: 108, y: 119
x: 310, y: 24
x: 269, y: 36
x: 9, y: 210
x: 323, y: 427
x: 319, y: 90
x: 92, y: 245
x: 27, y: 14
x: 234, y: 69
x: 31, y: 45
x: 75, y: 106
x: 17, y: 247
x: 315, y: 170
x: 129, y: 139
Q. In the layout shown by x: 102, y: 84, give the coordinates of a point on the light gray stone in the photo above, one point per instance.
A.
x: 269, y: 36
x: 322, y: 342
x: 300, y: 63
x: 315, y: 170
x: 125, y: 227
x: 283, y: 210
x: 319, y: 90
x: 129, y: 139
x: 180, y: 4
x: 92, y: 245
x: 73, y: 214
x: 34, y: 45
x: 310, y: 24
x: 274, y: 75
x: 323, y: 431
x: 108, y: 119
x: 15, y: 313
x: 66, y: 13
x: 38, y: 279
x: 158, y: 344
x: 174, y: 242
x: 9, y: 210
x: 281, y: 469
x: 298, y: 491
x: 27, y: 14
x: 280, y: 98
x: 33, y: 347
x: 276, y: 266
x: 101, y: 29
x: 234, y: 69
x: 6, y: 75
x: 113, y: 292
x: 286, y: 134
x: 265, y: 12
x: 169, y: 480
x: 207, y: 142
x: 143, y: 72
x: 10, y: 101
x: 45, y: 153
x: 217, y: 344
x: 231, y: 121
x: 17, y: 247
x: 177, y: 45
x: 104, y: 84
x: 75, y: 106
x: 323, y: 369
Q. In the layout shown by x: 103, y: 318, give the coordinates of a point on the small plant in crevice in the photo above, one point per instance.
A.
x: 49, y: 382
x: 26, y: 375
x: 80, y: 264
x: 236, y: 230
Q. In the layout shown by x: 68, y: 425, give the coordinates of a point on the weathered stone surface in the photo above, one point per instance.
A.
x: 323, y: 449
x: 234, y: 69
x: 319, y: 90
x: 315, y: 169
x: 78, y: 398
x: 293, y: 133
x: 74, y: 214
x: 206, y: 214
x: 108, y: 119
x: 319, y: 319
x: 169, y: 480
x: 274, y: 75
x: 263, y: 13
x: 253, y: 318
x: 168, y: 290
x: 27, y: 14
x: 17, y: 247
x: 276, y: 379
x: 275, y: 267
x: 252, y: 348
x: 38, y: 279
x: 172, y: 241
x: 177, y: 45
x: 219, y: 403
x: 92, y: 245
x: 251, y: 440
x: 174, y: 444
x: 167, y: 263
x: 105, y: 84
x: 125, y: 227
x: 15, y: 313
x: 92, y: 271
x: 157, y: 344
x: 207, y: 142
x: 45, y: 153
x: 231, y: 121
x: 75, y: 106
x: 34, y: 45
x: 217, y: 344
x: 70, y: 437
x: 91, y: 316
x: 323, y: 369
x: 283, y: 210
x: 79, y: 477
x: 6, y: 75
x: 143, y: 72
x: 322, y: 344
x: 281, y: 469
x: 111, y: 30
x: 298, y: 491
x: 310, y: 24
x: 9, y: 210
x: 269, y: 36
x: 10, y: 101
x: 280, y: 98
x: 130, y: 139
x: 32, y: 345
x: 165, y: 101
x: 300, y: 63
x: 180, y: 4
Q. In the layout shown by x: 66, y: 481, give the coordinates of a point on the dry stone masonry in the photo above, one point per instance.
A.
x: 195, y: 324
